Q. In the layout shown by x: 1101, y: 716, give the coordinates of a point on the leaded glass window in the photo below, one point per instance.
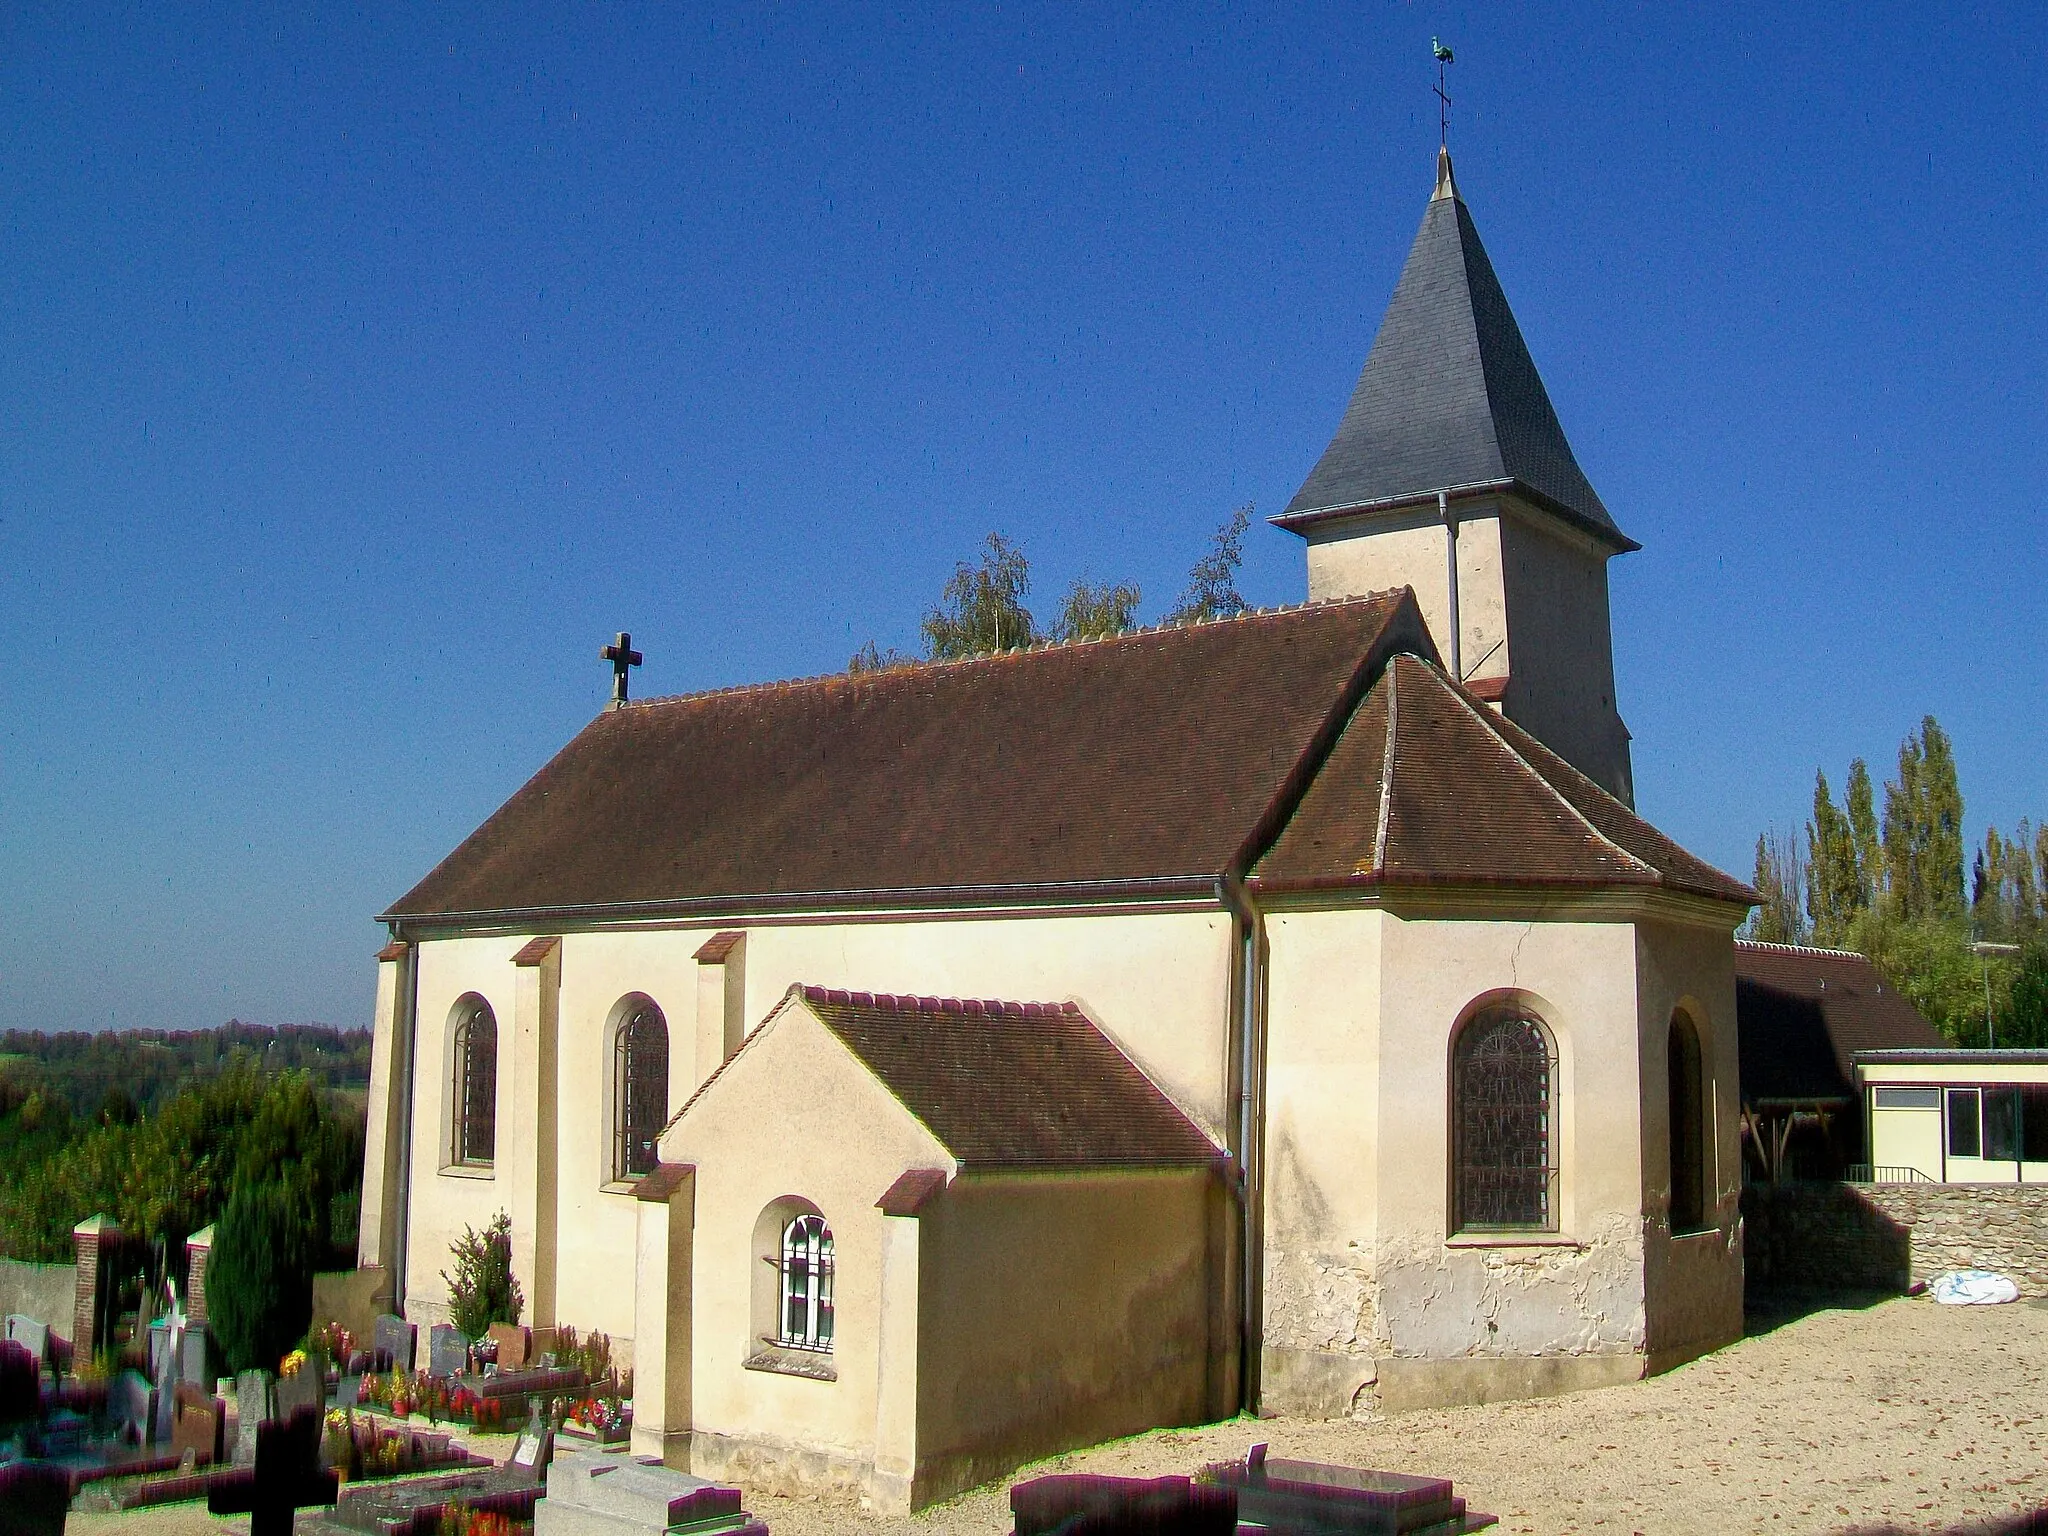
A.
x: 639, y: 1090
x: 1503, y: 1123
x: 476, y: 1083
x: 805, y: 1318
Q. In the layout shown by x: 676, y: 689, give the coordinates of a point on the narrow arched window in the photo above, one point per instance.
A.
x: 476, y: 1083
x: 1688, y: 1127
x: 1503, y: 1077
x: 639, y: 1090
x: 805, y: 1317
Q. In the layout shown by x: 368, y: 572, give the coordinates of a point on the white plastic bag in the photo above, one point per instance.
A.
x: 1973, y: 1288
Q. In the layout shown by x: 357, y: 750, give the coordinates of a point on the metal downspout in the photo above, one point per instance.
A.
x: 1248, y: 1024
x: 1443, y: 510
x: 409, y: 1021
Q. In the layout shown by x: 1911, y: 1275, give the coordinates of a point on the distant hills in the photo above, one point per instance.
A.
x: 127, y: 1074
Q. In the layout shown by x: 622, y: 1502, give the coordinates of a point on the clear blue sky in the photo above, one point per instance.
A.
x: 359, y: 375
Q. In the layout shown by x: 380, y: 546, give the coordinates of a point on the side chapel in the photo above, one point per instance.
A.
x: 922, y: 1071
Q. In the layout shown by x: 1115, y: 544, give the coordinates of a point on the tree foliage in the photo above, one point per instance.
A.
x: 483, y: 1290
x: 1212, y: 585
x: 259, y: 1279
x: 982, y: 609
x: 1091, y: 612
x: 1891, y: 886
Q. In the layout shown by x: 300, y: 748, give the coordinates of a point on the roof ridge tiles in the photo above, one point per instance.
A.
x: 985, y: 658
x: 1772, y: 947
x: 904, y: 1002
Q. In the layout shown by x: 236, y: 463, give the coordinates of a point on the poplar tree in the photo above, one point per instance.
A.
x: 1834, y: 885
x: 1923, y: 829
x: 1779, y: 878
x: 1863, y: 833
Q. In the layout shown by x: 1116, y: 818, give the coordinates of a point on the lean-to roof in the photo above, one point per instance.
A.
x: 1802, y: 1015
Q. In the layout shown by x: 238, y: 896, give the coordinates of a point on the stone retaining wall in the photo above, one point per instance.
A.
x: 1886, y: 1236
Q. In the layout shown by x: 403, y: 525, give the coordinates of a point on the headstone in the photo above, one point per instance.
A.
x: 20, y: 1382
x: 1306, y: 1495
x: 30, y: 1333
x: 596, y: 1491
x: 514, y: 1345
x: 195, y: 1363
x: 253, y: 1404
x: 447, y: 1351
x: 198, y: 1424
x: 1125, y: 1506
x: 287, y: 1477
x: 535, y: 1447
x: 304, y: 1388
x: 130, y: 1405
x: 391, y: 1343
x: 348, y: 1391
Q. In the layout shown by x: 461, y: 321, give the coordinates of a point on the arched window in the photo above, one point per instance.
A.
x: 639, y: 1089
x: 1688, y: 1127
x: 804, y: 1319
x: 1503, y: 1123
x: 476, y: 1083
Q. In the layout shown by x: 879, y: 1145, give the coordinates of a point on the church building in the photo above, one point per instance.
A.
x: 921, y: 1071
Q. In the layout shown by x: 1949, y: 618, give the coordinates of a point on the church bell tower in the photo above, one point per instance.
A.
x: 1450, y: 474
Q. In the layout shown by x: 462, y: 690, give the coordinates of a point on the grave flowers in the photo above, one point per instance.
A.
x: 292, y: 1363
x: 605, y: 1419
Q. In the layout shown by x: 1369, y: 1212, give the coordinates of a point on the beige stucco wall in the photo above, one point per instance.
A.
x: 1532, y: 604
x: 1155, y: 982
x: 1557, y: 613
x: 1692, y: 1282
x: 754, y: 1139
x: 1407, y: 549
x: 1057, y: 1311
x: 1368, y: 1295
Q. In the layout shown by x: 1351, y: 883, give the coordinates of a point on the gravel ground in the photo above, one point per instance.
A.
x: 1898, y: 1416
x: 1901, y: 1415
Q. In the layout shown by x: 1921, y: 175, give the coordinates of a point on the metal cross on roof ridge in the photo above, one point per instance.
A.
x: 1443, y: 113
x: 621, y: 655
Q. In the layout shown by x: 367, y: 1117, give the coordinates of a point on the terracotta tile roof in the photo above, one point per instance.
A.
x: 907, y: 1196
x: 718, y: 949
x: 1145, y: 757
x: 534, y: 951
x: 1013, y: 1085
x: 1427, y: 786
x: 1802, y: 1014
x: 395, y: 950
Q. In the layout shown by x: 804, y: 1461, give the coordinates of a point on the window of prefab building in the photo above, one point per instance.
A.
x: 2002, y: 1124
x: 1965, y: 1137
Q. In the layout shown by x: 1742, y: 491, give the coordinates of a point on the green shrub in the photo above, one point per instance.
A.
x: 259, y: 1281
x: 482, y: 1290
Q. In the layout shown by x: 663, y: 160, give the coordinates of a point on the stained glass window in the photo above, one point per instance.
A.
x: 1502, y: 1118
x: 476, y: 1083
x: 639, y: 1090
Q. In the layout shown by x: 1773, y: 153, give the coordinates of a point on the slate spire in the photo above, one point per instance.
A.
x: 1450, y: 398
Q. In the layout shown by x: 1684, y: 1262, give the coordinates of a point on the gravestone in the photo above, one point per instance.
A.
x: 31, y: 1334
x: 447, y: 1351
x: 198, y: 1425
x: 1122, y: 1506
x: 598, y: 1492
x: 195, y: 1359
x: 304, y: 1388
x: 20, y: 1383
x: 391, y: 1343
x: 252, y: 1407
x: 1304, y: 1495
x: 131, y: 1405
x: 514, y: 1343
x: 535, y: 1447
x: 348, y: 1391
x: 286, y: 1478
